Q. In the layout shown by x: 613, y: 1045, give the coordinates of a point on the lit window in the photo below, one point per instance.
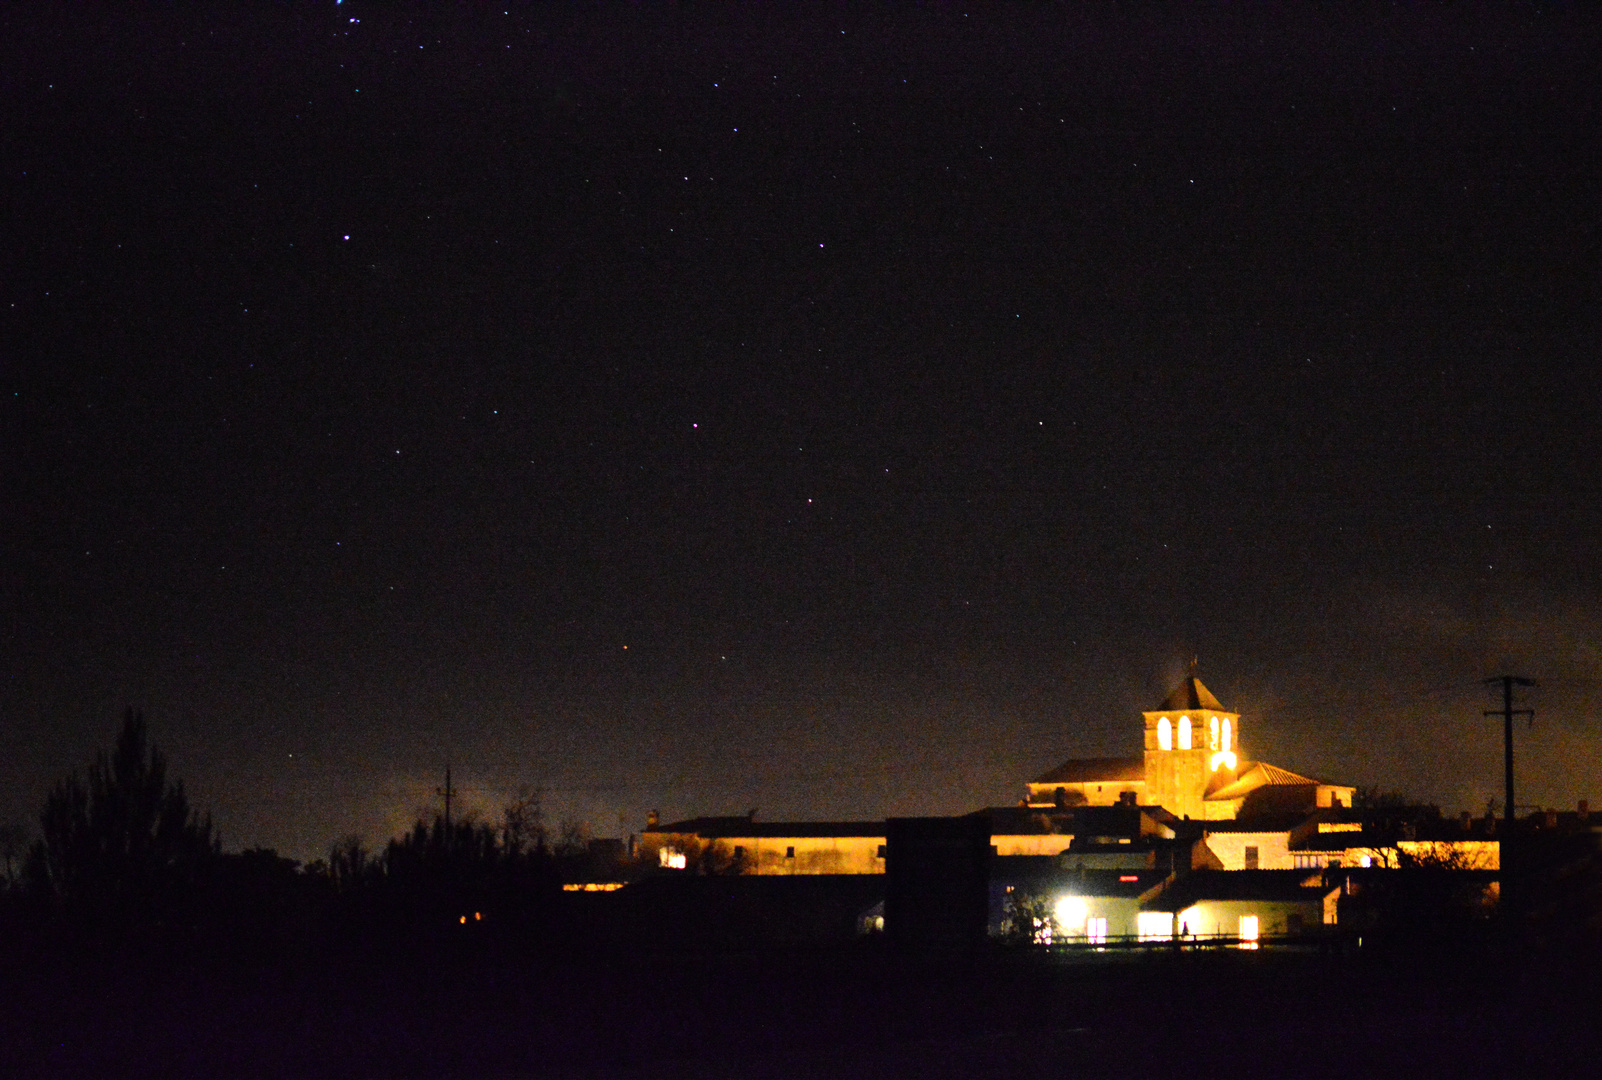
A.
x: 1368, y: 861
x: 1165, y: 735
x: 1248, y: 931
x: 1155, y: 925
x: 1227, y: 735
x: 672, y: 858
x: 1184, y: 733
x: 1213, y: 733
x: 1096, y: 931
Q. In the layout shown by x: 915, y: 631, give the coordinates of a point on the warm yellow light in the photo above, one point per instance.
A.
x: 1228, y: 736
x: 1248, y: 931
x: 464, y: 920
x: 1070, y: 912
x: 1213, y: 731
x: 1155, y: 925
x: 1165, y: 735
x: 478, y: 916
x: 1223, y: 757
x: 1184, y: 733
x: 1188, y: 920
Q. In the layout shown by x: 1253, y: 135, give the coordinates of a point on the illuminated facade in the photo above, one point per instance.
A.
x: 1192, y: 768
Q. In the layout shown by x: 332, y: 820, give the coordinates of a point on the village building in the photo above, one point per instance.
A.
x: 1190, y: 838
x: 1247, y: 906
x: 1192, y: 767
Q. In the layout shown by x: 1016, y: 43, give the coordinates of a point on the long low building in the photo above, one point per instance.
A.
x: 1104, y: 836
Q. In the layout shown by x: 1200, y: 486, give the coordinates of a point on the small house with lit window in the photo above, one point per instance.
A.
x: 1038, y: 900
x: 1244, y: 904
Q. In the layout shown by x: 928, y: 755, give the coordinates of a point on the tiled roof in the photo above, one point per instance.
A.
x: 1190, y: 694
x: 1039, y: 872
x: 1096, y: 770
x: 1255, y: 774
x: 715, y: 827
x: 1202, y: 885
x: 1078, y: 820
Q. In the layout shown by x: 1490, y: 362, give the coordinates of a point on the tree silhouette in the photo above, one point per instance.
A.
x: 122, y: 833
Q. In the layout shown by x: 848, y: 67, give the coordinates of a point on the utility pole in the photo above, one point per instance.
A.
x: 447, y: 791
x: 1511, y: 872
x: 1507, y: 712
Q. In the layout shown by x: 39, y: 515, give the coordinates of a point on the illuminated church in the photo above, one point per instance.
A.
x: 1191, y: 771
x: 1191, y: 768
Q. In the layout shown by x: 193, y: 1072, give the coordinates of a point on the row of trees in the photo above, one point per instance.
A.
x: 121, y: 849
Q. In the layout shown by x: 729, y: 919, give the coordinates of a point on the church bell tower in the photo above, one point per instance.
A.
x: 1191, y: 744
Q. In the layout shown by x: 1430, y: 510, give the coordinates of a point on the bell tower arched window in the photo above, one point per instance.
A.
x: 1184, y: 733
x: 1228, y: 736
x: 1165, y: 734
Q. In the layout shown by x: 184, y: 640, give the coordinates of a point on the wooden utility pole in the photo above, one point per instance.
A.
x: 1511, y: 873
x: 447, y: 791
x: 1507, y: 712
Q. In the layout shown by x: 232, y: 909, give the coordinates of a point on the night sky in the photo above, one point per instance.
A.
x: 837, y: 412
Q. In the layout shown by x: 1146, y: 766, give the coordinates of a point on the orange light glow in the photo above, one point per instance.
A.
x: 1248, y: 931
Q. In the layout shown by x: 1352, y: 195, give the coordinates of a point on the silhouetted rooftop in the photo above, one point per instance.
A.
x: 1093, y: 770
x: 714, y: 827
x: 1202, y: 885
x: 1190, y: 694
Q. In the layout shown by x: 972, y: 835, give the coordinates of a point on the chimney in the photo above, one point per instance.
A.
x: 652, y: 820
x: 1551, y: 819
x: 1585, y: 811
x: 1468, y: 821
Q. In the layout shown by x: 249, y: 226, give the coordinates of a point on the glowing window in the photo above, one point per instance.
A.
x: 1165, y: 735
x: 1213, y: 732
x: 1248, y: 931
x: 1070, y: 912
x: 1155, y: 925
x: 672, y: 858
x: 1096, y: 930
x: 1184, y: 733
x: 1227, y: 734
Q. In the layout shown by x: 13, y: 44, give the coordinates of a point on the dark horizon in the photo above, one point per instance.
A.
x: 911, y: 392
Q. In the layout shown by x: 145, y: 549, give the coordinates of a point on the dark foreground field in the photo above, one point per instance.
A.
x: 852, y: 1012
